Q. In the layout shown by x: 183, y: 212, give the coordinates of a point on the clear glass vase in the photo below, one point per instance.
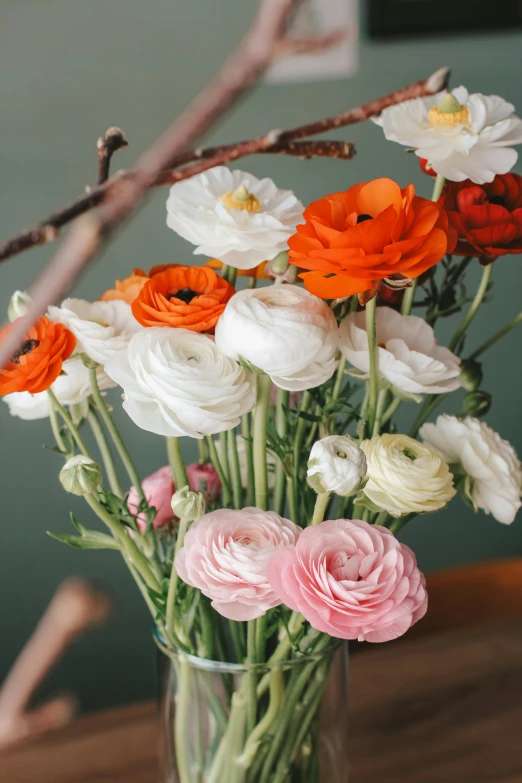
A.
x: 233, y: 723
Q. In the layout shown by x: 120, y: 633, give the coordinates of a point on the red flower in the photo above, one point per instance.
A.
x: 487, y: 218
x: 426, y: 168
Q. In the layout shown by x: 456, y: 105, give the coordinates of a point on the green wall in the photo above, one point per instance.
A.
x: 71, y: 69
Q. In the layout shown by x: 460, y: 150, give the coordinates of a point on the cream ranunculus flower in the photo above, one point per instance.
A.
x: 102, y: 329
x: 409, y: 358
x: 492, y: 468
x: 462, y: 136
x: 177, y: 382
x: 233, y: 216
x: 72, y: 389
x: 336, y: 464
x: 406, y: 476
x: 283, y: 330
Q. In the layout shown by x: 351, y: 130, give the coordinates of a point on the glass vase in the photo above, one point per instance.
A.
x: 284, y: 722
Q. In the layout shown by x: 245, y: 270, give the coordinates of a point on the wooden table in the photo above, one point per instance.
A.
x: 444, y: 709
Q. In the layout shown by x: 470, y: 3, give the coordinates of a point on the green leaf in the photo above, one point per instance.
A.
x: 88, y: 541
x: 362, y: 500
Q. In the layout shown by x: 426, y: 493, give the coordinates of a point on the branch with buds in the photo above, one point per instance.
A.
x: 121, y: 195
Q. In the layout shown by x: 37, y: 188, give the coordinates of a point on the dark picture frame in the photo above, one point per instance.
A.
x: 407, y: 18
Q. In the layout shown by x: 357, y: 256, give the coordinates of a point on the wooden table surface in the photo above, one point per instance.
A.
x: 444, y: 709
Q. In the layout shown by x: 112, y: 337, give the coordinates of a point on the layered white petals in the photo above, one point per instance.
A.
x: 71, y: 388
x: 102, y: 329
x: 176, y: 382
x: 237, y: 237
x: 406, y: 476
x: 409, y: 358
x: 284, y: 331
x: 477, y: 150
x: 225, y: 554
x: 490, y: 462
x: 336, y: 464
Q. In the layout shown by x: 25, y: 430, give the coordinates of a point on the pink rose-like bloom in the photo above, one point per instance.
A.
x: 158, y: 488
x: 225, y: 555
x: 351, y: 580
x: 204, y: 479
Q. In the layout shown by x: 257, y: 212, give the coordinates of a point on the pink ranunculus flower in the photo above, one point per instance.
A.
x: 204, y: 478
x: 158, y: 488
x: 351, y: 580
x: 225, y: 555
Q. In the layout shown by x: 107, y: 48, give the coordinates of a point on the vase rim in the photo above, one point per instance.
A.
x: 208, y: 664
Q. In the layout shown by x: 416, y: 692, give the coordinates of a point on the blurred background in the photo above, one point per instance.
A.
x: 70, y: 70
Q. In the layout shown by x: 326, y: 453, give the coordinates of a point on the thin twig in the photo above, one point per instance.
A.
x: 48, y: 229
x: 248, y: 62
x: 112, y: 141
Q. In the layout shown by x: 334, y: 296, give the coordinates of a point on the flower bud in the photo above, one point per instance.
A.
x: 80, y: 475
x: 279, y: 268
x: 204, y: 478
x: 477, y: 403
x: 471, y: 374
x: 187, y: 504
x: 337, y: 465
x: 18, y: 305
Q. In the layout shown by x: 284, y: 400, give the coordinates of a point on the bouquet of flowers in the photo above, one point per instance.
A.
x: 285, y: 355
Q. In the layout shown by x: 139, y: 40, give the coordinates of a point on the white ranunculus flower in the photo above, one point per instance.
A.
x: 102, y: 329
x: 283, y: 330
x: 336, y: 464
x: 491, y: 463
x: 409, y: 357
x: 405, y: 476
x: 18, y: 305
x: 462, y: 136
x: 72, y: 388
x: 176, y: 382
x: 233, y: 216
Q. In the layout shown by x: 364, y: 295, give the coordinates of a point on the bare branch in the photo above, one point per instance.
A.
x: 113, y: 140
x: 316, y: 45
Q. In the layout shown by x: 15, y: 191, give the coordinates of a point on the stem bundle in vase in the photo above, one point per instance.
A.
x: 286, y: 356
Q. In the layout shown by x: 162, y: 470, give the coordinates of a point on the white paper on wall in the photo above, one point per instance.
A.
x: 333, y: 20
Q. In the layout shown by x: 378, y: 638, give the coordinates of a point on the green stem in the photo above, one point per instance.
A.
x: 390, y: 410
x: 431, y: 402
x: 339, y: 378
x: 204, y: 454
x: 282, y: 402
x: 246, y: 432
x: 373, y: 382
x: 399, y: 523
x: 66, y: 416
x: 177, y: 463
x: 225, y: 456
x: 173, y: 583
x: 497, y: 336
x: 298, y: 443
x: 105, y: 451
x: 251, y: 676
x: 55, y: 427
x: 321, y: 503
x: 477, y: 301
x: 409, y: 293
x: 235, y: 473
x: 115, y: 435
x: 216, y: 462
x: 264, y: 385
x: 182, y: 721
x: 382, y: 518
x: 259, y: 731
x: 137, y: 558
x: 381, y: 403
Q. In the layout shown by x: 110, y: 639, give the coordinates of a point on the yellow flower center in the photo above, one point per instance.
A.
x: 449, y: 112
x: 241, y: 199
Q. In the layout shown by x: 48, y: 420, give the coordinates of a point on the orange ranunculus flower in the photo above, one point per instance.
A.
x: 192, y: 297
x: 259, y: 271
x: 127, y: 289
x: 38, y: 361
x: 373, y: 231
